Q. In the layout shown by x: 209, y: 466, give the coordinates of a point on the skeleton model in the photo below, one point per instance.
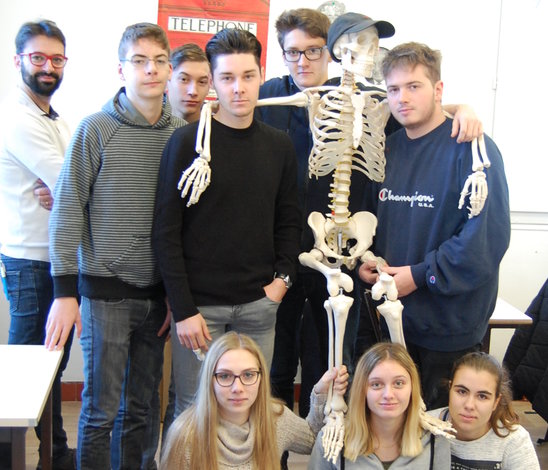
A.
x: 348, y: 134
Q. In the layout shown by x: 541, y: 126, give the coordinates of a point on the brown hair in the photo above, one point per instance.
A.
x: 312, y: 22
x: 188, y: 53
x: 412, y: 54
x: 504, y: 413
x: 138, y: 31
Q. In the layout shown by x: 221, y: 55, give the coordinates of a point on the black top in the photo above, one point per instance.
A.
x: 245, y: 227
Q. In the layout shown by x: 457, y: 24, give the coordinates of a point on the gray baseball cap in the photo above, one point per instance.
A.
x: 352, y: 23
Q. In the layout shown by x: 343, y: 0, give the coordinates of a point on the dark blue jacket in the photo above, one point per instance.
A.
x: 527, y: 356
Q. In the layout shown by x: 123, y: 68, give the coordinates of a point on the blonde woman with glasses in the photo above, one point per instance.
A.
x: 234, y: 422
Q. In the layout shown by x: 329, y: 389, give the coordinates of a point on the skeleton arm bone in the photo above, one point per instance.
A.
x: 301, y: 99
x: 298, y: 99
x: 480, y: 159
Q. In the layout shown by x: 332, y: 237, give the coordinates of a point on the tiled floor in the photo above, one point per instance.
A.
x: 531, y: 421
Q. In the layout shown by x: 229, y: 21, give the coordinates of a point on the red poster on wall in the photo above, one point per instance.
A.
x: 197, y: 20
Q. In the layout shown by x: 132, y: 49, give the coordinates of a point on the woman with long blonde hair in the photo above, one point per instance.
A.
x: 383, y: 429
x: 234, y: 421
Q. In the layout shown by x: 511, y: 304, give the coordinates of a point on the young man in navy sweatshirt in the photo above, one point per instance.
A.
x: 445, y: 264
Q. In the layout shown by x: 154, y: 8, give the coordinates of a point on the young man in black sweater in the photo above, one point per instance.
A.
x: 227, y: 260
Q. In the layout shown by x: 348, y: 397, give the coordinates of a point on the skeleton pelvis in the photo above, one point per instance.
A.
x: 343, y: 243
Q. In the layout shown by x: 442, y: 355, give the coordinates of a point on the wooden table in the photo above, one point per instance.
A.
x: 504, y: 316
x: 27, y: 376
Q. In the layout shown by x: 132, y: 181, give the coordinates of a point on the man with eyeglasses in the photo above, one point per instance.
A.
x: 100, y: 249
x: 32, y: 147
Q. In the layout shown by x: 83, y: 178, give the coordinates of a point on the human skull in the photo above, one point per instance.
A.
x: 357, y: 51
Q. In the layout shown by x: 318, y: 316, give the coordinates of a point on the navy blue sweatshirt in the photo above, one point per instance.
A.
x: 454, y: 260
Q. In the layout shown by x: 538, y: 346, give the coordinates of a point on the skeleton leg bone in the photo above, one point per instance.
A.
x: 333, y: 431
x: 336, y: 279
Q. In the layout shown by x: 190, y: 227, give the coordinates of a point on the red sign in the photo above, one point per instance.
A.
x: 197, y: 20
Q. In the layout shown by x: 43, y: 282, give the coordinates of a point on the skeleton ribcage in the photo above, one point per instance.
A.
x: 332, y: 127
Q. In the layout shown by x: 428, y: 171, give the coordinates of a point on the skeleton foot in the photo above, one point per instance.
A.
x: 333, y: 435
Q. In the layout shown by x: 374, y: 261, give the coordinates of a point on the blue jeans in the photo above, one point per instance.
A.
x: 123, y: 357
x: 256, y: 319
x: 30, y: 294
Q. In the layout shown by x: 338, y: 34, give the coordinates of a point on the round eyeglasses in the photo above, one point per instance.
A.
x: 39, y: 59
x: 248, y: 377
x: 312, y: 53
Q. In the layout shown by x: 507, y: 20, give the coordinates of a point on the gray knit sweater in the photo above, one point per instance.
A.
x: 235, y: 443
x: 104, y: 200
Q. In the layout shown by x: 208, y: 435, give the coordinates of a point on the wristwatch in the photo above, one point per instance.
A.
x: 285, y: 278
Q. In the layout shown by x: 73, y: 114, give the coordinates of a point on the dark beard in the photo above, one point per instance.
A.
x: 38, y: 87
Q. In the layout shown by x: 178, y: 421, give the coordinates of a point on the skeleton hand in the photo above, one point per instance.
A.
x: 333, y: 435
x: 434, y: 425
x: 475, y: 186
x: 198, y: 175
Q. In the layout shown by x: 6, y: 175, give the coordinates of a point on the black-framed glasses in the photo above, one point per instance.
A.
x: 39, y: 59
x: 140, y: 62
x: 312, y: 53
x: 247, y: 377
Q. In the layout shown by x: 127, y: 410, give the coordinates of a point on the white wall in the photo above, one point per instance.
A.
x: 500, y: 78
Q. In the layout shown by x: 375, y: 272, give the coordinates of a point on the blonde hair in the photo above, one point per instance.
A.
x: 192, y: 438
x: 359, y: 435
x: 503, y: 417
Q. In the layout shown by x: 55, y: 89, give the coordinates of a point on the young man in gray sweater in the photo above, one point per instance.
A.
x: 100, y: 249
